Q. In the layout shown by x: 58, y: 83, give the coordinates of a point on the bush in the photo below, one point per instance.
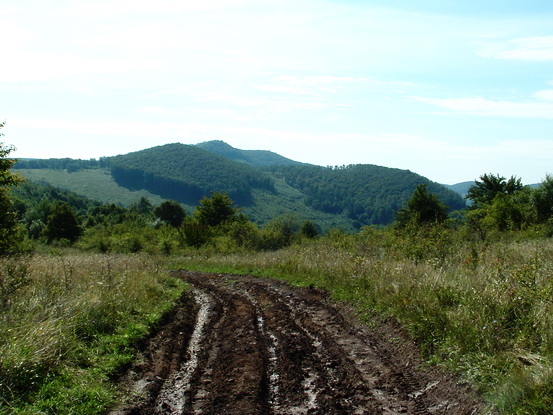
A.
x: 62, y: 223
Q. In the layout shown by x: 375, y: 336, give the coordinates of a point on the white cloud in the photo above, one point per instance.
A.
x: 490, y: 108
x: 26, y: 66
x: 116, y: 8
x: 546, y: 95
x: 315, y: 86
x: 259, y: 103
x: 535, y: 48
x: 213, y: 113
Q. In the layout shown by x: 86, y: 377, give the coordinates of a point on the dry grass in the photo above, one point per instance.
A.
x: 68, y: 321
x: 72, y: 313
x: 483, y: 310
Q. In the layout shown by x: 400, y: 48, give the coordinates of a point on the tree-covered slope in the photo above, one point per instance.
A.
x: 264, y: 184
x: 258, y: 158
x: 187, y: 173
x: 366, y: 193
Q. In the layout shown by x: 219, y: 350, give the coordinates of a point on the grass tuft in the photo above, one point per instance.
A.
x: 485, y: 311
x: 71, y: 328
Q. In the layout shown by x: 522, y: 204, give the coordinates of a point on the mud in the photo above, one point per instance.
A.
x: 243, y: 345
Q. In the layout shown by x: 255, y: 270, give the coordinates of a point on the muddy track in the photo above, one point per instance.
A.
x: 243, y: 345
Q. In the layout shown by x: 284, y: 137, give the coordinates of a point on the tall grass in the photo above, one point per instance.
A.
x: 68, y: 324
x: 483, y: 310
x: 68, y: 321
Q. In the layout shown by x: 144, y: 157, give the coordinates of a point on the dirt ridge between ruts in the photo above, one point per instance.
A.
x: 244, y: 345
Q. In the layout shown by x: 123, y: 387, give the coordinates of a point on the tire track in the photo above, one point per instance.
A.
x: 261, y: 347
x: 168, y: 401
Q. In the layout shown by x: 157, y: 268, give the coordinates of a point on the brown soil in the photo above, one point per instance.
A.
x: 243, y: 345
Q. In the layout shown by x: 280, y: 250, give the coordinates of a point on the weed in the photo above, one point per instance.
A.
x: 74, y: 321
x: 484, y: 310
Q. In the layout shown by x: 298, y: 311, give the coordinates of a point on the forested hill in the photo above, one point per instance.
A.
x: 187, y: 173
x: 258, y: 158
x: 264, y: 184
x: 368, y: 194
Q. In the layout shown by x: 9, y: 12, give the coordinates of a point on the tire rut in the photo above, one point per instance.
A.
x: 259, y: 346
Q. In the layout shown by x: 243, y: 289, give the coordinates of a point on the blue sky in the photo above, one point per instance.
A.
x: 447, y: 89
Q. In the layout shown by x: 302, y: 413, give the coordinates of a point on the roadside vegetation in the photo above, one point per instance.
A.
x: 82, y: 283
x: 71, y: 322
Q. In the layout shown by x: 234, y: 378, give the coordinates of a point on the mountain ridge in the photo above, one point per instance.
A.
x: 263, y: 184
x: 258, y: 158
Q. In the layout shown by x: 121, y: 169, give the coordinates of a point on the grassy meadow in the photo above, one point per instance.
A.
x: 70, y: 319
x: 483, y: 311
x: 69, y: 323
x: 97, y: 184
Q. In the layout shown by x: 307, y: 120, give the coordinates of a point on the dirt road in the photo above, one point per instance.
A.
x: 243, y: 345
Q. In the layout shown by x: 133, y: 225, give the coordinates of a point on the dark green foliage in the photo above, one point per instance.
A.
x: 489, y: 186
x: 543, y: 200
x: 279, y: 233
x: 10, y: 237
x: 71, y: 165
x: 309, y: 229
x: 194, y: 233
x: 258, y: 158
x: 349, y: 196
x: 29, y: 194
x: 142, y: 207
x: 62, y: 223
x: 423, y: 208
x: 501, y: 205
x: 365, y: 193
x: 108, y: 215
x: 34, y: 203
x: 215, y: 210
x: 187, y: 173
x: 244, y: 233
x: 170, y: 212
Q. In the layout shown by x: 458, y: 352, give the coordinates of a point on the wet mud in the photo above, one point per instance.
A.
x: 245, y: 345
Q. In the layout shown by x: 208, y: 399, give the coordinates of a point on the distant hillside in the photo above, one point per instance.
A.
x: 263, y: 184
x: 29, y: 195
x: 460, y: 188
x: 187, y: 173
x: 96, y: 184
x: 365, y: 193
x: 258, y: 158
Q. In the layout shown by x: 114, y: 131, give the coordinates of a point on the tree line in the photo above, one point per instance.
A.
x: 68, y: 164
x: 370, y: 195
x: 497, y: 205
x: 39, y: 214
x: 35, y: 213
x: 162, y: 169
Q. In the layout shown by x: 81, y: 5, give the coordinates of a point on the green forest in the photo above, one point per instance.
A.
x: 187, y: 173
x: 83, y: 281
x: 259, y: 182
x: 367, y: 194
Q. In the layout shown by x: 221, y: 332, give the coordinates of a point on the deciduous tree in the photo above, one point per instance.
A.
x: 170, y: 212
x: 543, y: 200
x: 216, y: 210
x: 489, y: 186
x: 62, y: 223
x: 10, y: 237
x: 423, y: 208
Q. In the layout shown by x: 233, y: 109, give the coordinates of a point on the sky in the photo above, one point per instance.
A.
x: 448, y: 89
